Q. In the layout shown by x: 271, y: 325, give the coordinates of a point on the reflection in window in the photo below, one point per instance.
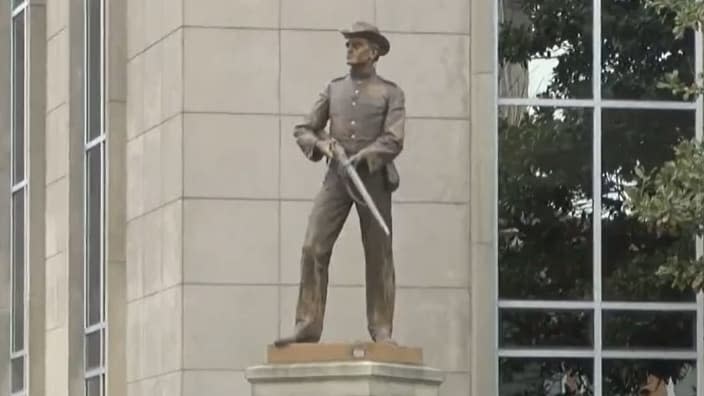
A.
x: 548, y: 377
x: 639, y: 49
x: 545, y: 328
x: 577, y: 271
x: 649, y: 378
x: 631, y: 253
x: 545, y: 205
x: 545, y: 49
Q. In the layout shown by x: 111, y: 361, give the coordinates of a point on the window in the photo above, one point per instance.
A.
x: 580, y: 309
x: 18, y: 212
x: 94, y: 209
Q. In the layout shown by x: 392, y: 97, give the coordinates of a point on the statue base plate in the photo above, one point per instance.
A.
x: 352, y: 369
x: 344, y: 352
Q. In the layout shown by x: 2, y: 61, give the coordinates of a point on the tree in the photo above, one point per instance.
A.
x: 671, y: 198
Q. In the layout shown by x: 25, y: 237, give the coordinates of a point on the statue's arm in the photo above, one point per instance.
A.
x: 310, y: 131
x: 390, y: 143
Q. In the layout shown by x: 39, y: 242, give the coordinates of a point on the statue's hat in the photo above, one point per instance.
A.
x: 370, y: 32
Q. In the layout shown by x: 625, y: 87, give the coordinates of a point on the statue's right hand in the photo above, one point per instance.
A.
x: 325, y: 146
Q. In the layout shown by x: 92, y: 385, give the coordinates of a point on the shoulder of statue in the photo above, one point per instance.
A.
x: 337, y: 79
x: 388, y: 82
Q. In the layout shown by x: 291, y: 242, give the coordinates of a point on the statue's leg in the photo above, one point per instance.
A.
x: 330, y: 209
x: 378, y: 254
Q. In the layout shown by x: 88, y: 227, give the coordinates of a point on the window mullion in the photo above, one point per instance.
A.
x: 596, y: 190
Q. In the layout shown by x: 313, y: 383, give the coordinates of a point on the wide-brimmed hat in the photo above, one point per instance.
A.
x: 370, y: 32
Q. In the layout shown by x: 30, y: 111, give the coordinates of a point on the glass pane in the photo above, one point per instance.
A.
x: 18, y: 98
x: 18, y: 270
x: 545, y: 48
x: 94, y: 350
x: 16, y: 3
x: 94, y: 386
x: 94, y: 69
x: 522, y: 377
x: 631, y: 251
x: 545, y: 204
x: 649, y: 377
x: 94, y: 235
x: 639, y: 49
x: 528, y: 327
x: 17, y: 375
x: 646, y: 330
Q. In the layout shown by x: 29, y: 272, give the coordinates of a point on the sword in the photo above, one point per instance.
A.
x: 339, y: 153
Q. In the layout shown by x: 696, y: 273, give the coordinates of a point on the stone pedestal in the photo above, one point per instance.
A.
x: 364, y: 369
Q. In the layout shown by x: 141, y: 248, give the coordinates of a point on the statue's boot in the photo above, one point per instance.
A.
x: 302, y: 333
x: 384, y: 336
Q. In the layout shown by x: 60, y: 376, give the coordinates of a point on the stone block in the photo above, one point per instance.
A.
x: 345, y: 314
x: 162, y: 385
x: 134, y: 248
x: 483, y: 297
x: 57, y: 70
x: 436, y: 320
x: 218, y: 383
x: 134, y: 340
x: 431, y: 245
x: 152, y: 274
x: 232, y: 13
x: 172, y: 243
x: 483, y: 33
x: 434, y: 164
x: 57, y: 143
x: 161, y: 331
x: 152, y: 85
x: 172, y: 159
x: 152, y: 175
x: 172, y: 74
x: 136, y: 27
x: 437, y: 84
x: 309, y: 61
x: 440, y: 16
x: 231, y: 156
x: 56, y: 16
x: 217, y: 80
x: 116, y: 46
x: 300, y: 177
x: 226, y: 327
x: 324, y: 14
x: 347, y: 261
x: 482, y: 163
x: 135, y: 96
x: 56, y: 356
x: 56, y: 217
x: 344, y: 378
x: 116, y: 182
x: 230, y: 241
x: 56, y: 295
x: 455, y: 384
x: 135, y: 178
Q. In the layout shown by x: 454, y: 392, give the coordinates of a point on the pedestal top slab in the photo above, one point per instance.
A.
x: 344, y: 352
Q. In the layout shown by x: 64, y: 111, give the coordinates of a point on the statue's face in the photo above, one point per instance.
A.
x: 359, y: 52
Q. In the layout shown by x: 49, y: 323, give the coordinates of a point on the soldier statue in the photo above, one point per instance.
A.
x: 367, y: 116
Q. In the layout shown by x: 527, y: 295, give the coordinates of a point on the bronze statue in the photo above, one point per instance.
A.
x: 367, y: 118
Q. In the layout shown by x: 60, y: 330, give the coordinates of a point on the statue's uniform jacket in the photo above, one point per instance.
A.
x: 364, y: 114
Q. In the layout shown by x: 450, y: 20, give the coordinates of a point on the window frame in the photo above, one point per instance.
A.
x: 91, y: 145
x: 596, y: 305
x: 19, y: 188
